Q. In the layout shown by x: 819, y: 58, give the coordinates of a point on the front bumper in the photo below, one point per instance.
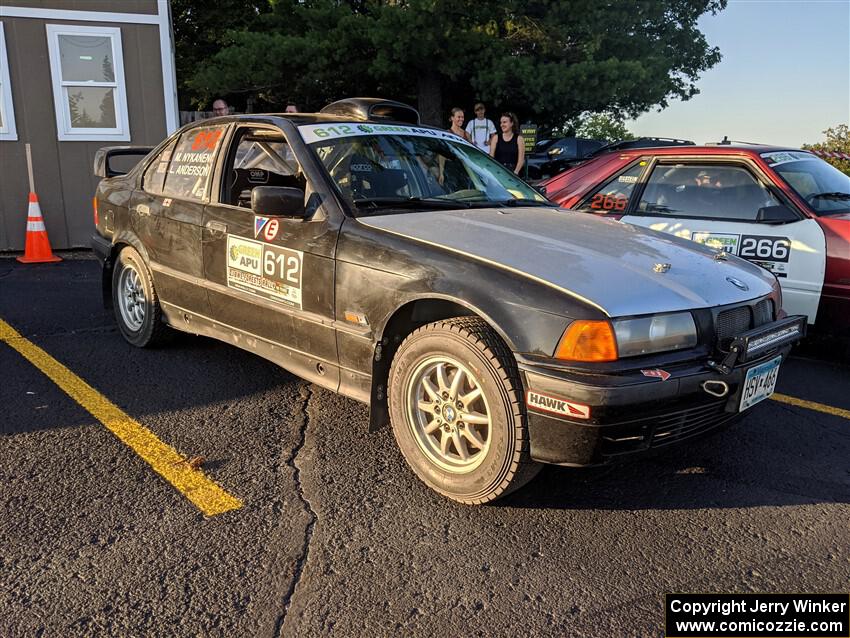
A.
x: 631, y: 413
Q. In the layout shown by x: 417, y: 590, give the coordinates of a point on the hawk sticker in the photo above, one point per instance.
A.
x: 555, y: 405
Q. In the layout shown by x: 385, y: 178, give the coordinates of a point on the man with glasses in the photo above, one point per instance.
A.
x: 481, y: 129
x: 220, y: 107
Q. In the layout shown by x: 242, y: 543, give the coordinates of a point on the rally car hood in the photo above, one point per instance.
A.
x: 619, y: 268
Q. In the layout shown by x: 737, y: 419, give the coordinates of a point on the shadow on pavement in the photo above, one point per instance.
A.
x: 757, y: 462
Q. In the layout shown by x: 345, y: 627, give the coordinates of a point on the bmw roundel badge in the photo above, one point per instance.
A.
x: 737, y: 283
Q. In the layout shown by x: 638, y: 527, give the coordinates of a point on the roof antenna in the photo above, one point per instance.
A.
x: 725, y: 140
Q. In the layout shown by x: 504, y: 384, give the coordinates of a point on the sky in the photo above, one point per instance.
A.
x: 783, y: 79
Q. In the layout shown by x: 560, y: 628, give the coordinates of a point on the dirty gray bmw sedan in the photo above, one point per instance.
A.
x: 398, y: 265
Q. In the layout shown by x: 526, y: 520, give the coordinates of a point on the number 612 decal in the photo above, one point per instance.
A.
x: 763, y: 247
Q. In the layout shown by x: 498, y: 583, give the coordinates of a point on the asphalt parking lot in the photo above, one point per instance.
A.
x: 328, y: 533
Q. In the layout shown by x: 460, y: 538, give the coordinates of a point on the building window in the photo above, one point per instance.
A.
x: 7, y: 110
x: 87, y: 68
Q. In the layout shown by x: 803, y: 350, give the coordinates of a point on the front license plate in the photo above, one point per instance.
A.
x: 759, y: 383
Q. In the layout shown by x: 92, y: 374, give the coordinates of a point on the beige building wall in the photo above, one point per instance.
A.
x: 63, y: 169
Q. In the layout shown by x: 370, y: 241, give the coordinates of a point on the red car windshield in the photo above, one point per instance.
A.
x: 824, y: 187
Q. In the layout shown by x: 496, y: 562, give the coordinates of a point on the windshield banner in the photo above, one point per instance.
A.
x: 320, y: 132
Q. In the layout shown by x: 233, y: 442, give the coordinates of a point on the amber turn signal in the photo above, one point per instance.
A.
x: 588, y: 341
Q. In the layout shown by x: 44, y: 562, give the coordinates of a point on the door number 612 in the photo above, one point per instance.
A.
x: 771, y: 248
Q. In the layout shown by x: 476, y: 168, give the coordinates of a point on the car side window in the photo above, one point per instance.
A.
x: 259, y: 157
x: 154, y: 175
x: 710, y: 191
x: 614, y: 195
x: 190, y: 168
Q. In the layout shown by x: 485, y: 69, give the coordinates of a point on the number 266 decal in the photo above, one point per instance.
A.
x: 761, y: 247
x: 608, y: 202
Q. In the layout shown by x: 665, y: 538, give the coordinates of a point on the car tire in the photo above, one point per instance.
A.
x: 466, y: 437
x: 135, y: 301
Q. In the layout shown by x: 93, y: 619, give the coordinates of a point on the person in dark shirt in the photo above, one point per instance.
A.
x: 507, y: 147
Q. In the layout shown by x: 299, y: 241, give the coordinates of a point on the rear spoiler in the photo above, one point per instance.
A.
x: 102, y: 164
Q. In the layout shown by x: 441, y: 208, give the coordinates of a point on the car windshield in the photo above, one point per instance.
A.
x: 824, y: 187
x: 376, y: 167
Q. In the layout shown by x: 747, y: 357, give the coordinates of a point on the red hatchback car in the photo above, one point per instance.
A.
x: 784, y: 209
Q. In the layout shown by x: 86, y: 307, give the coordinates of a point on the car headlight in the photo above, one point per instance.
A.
x: 657, y: 333
x: 600, y: 341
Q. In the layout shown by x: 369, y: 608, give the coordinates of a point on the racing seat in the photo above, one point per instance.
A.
x: 369, y: 179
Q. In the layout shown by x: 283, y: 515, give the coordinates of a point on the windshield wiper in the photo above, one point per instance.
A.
x: 526, y: 202
x: 832, y: 195
x: 408, y: 202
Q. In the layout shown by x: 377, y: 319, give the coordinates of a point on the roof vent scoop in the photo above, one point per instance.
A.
x: 373, y: 109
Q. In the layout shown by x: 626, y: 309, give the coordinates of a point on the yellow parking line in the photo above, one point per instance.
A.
x: 811, y: 405
x: 164, y: 459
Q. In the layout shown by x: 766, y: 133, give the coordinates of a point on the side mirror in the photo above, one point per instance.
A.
x: 278, y: 201
x: 776, y: 215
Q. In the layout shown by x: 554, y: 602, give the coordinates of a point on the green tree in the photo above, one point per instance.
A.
x: 837, y: 139
x: 548, y: 60
x: 603, y: 126
x: 201, y: 29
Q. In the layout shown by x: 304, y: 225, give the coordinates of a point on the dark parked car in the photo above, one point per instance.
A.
x: 557, y: 155
x: 399, y: 265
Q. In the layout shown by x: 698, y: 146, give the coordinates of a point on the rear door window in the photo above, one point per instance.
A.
x: 710, y: 191
x: 190, y: 168
x: 614, y: 195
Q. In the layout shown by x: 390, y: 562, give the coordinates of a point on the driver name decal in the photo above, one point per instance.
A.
x: 272, y: 272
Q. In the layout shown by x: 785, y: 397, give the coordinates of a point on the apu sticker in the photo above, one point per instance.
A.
x: 719, y: 241
x: 555, y: 405
x: 261, y: 269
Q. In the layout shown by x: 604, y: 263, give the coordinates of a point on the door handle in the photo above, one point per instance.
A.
x: 216, y: 228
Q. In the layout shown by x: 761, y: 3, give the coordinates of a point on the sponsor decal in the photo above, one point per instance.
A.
x: 719, y: 241
x: 317, y: 132
x: 258, y: 176
x: 259, y: 224
x: 657, y: 373
x: 166, y: 202
x: 268, y: 271
x: 244, y: 254
x: 270, y: 230
x: 556, y: 405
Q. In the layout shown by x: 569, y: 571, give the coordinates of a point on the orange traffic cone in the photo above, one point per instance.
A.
x: 38, y: 246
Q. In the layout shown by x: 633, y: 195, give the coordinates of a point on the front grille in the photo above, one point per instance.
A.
x: 660, y: 430
x: 731, y: 323
x: 763, y: 312
x: 734, y: 321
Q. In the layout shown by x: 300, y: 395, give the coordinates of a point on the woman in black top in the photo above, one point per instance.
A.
x: 508, y: 147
